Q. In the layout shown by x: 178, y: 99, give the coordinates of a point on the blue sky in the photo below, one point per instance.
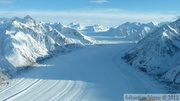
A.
x: 89, y: 12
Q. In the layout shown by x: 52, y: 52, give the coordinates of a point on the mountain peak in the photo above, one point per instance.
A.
x: 97, y: 25
x: 57, y: 24
x: 29, y: 21
x: 153, y: 23
x: 132, y: 24
x: 72, y: 23
x: 177, y: 21
x: 76, y: 26
x: 16, y: 19
x: 27, y: 17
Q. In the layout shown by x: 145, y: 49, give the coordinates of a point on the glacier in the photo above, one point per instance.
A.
x: 52, y: 61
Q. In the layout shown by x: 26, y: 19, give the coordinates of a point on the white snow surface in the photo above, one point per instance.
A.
x: 93, y: 73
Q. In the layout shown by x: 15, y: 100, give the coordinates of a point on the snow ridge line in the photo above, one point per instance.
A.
x: 64, y: 91
x: 76, y: 94
x: 9, y: 86
x: 42, y: 90
x: 28, y: 87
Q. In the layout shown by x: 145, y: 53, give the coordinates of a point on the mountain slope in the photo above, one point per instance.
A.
x: 25, y: 41
x: 133, y: 31
x: 72, y: 34
x: 159, y: 51
x: 172, y: 76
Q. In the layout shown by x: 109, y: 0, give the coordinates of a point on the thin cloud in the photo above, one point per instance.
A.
x: 5, y: 1
x: 99, y: 1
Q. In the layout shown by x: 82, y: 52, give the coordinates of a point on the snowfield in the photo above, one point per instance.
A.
x: 92, y: 73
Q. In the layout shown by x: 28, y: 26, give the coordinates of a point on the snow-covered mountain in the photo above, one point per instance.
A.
x: 24, y: 41
x: 76, y: 26
x: 159, y: 52
x: 95, y: 28
x: 133, y: 31
x: 71, y: 33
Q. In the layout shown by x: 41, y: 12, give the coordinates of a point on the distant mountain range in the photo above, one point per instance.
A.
x: 129, y: 31
x: 88, y: 29
x: 133, y: 31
